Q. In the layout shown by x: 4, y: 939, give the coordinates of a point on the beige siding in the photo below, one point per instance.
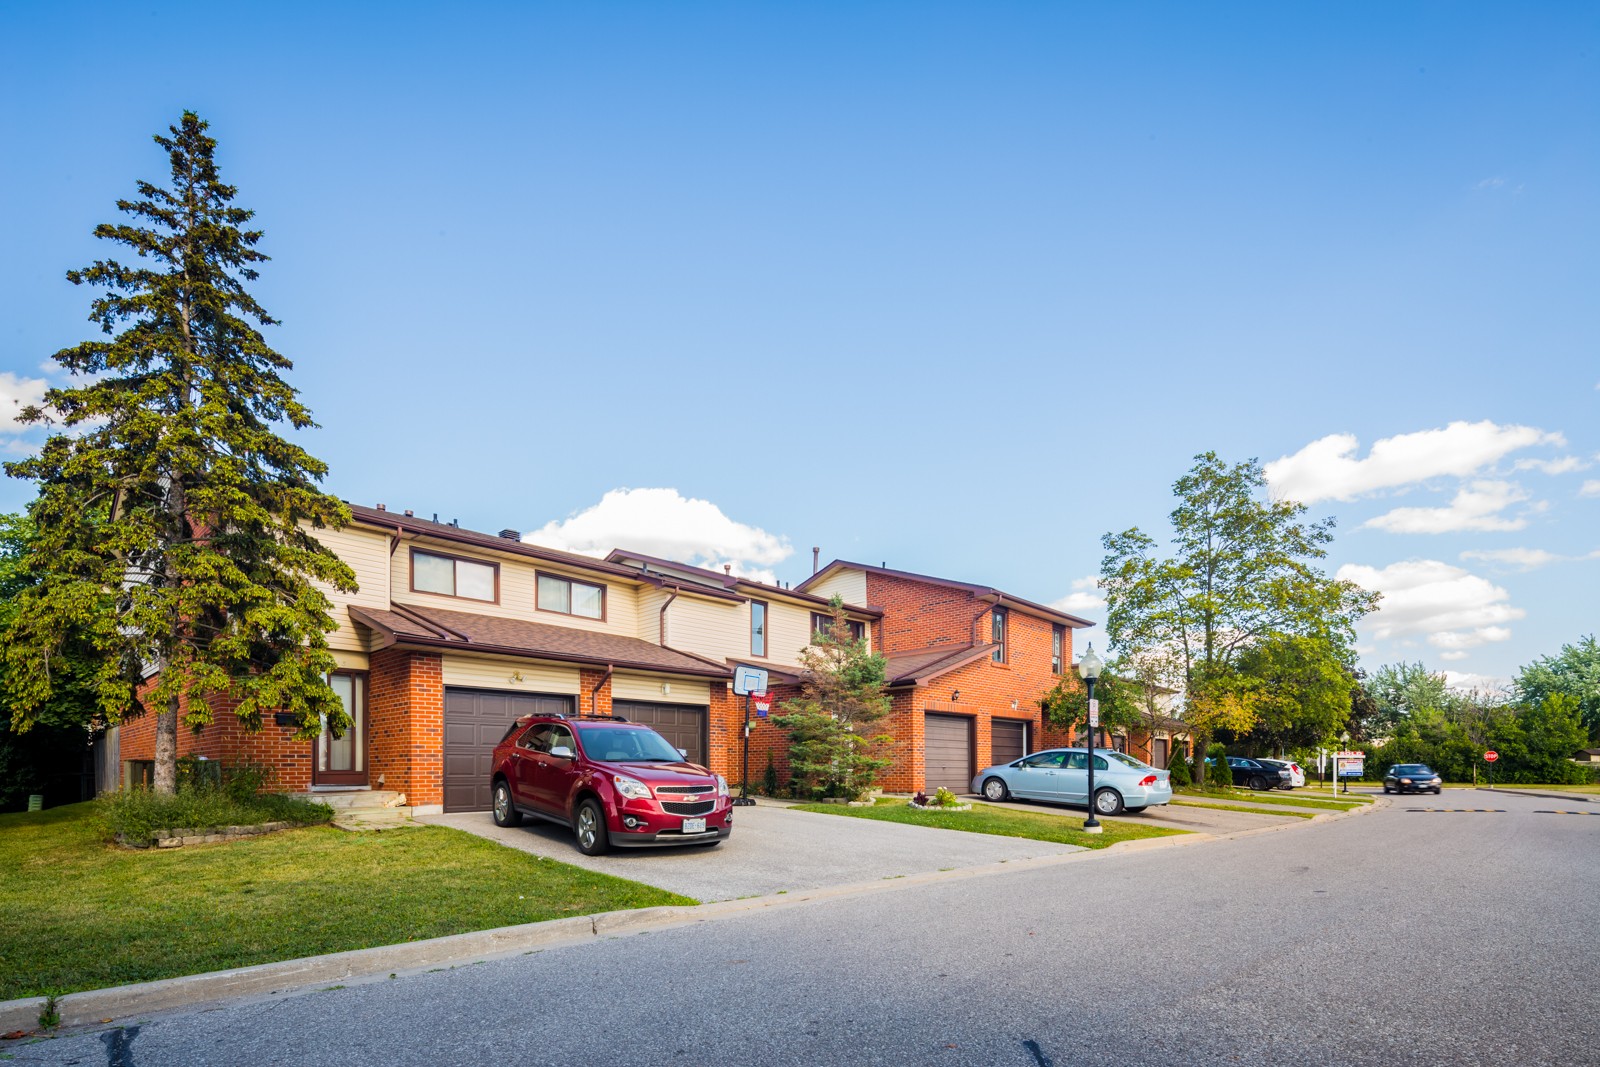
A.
x: 718, y: 629
x: 648, y: 687
x: 366, y: 552
x: 350, y: 661
x: 788, y: 631
x: 518, y: 586
x: 509, y: 675
x: 849, y: 584
x: 650, y: 601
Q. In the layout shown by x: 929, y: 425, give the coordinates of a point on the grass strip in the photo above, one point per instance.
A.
x: 999, y: 822
x: 79, y: 913
x: 1272, y: 801
x: 1248, y: 811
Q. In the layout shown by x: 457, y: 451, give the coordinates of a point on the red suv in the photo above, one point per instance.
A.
x: 613, y: 781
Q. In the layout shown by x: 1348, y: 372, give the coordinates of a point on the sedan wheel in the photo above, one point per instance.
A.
x: 995, y: 789
x: 590, y: 828
x: 505, y: 813
x: 1107, y: 802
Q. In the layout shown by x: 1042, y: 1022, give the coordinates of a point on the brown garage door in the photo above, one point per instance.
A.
x: 684, y: 725
x: 1008, y: 740
x: 949, y: 753
x: 474, y: 722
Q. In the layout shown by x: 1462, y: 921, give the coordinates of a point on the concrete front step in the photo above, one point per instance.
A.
x: 357, y: 799
x: 386, y: 819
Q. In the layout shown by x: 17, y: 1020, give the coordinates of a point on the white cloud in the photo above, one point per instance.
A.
x: 1492, y: 183
x: 1526, y: 558
x: 1453, y: 609
x: 661, y: 522
x: 1477, y: 506
x: 1453, y: 655
x: 1475, y: 683
x: 1328, y: 468
x: 1084, y: 598
x: 1590, y: 488
x: 1563, y: 465
x: 16, y: 394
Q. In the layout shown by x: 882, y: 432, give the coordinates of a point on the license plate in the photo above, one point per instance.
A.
x: 694, y: 826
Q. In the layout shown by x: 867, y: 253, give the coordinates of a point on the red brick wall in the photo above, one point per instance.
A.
x: 225, y: 739
x: 594, y: 696
x: 405, y: 713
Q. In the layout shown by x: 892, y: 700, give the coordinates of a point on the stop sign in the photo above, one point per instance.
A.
x: 1491, y: 755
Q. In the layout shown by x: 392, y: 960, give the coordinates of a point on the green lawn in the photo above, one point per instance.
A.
x: 1296, y: 800
x: 1224, y: 806
x: 78, y: 913
x: 1001, y: 822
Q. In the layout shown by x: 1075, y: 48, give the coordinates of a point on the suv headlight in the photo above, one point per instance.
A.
x: 722, y: 786
x: 631, y: 787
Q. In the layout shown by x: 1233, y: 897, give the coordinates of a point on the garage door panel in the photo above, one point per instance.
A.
x: 474, y: 722
x: 1008, y: 740
x: 947, y: 746
x: 684, y: 726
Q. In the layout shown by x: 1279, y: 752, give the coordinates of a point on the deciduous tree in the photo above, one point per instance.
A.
x: 1242, y: 573
x: 1574, y: 671
x: 173, y: 524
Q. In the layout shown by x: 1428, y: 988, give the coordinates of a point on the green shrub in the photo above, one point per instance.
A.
x: 1181, y: 778
x: 136, y: 814
x: 944, y: 798
x: 769, y: 778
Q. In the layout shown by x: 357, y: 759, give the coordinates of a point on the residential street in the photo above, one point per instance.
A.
x: 1390, y: 937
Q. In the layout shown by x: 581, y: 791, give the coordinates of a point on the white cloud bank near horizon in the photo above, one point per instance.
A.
x: 1449, y: 608
x: 662, y: 522
x: 1328, y: 468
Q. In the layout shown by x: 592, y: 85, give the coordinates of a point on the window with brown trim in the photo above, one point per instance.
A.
x: 568, y: 596
x: 820, y: 623
x: 1058, y: 644
x: 758, y: 628
x: 470, y: 579
x: 998, y: 634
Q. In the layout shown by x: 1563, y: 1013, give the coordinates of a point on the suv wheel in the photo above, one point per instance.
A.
x: 1258, y: 782
x: 505, y: 812
x: 590, y: 829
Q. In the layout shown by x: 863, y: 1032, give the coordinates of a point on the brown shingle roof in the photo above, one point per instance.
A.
x: 466, y: 632
x: 734, y: 582
x: 926, y: 664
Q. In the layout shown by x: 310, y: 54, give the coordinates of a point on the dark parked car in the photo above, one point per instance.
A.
x: 1411, y: 778
x: 615, y: 783
x: 1258, y: 775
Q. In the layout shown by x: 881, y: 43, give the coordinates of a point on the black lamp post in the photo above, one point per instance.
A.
x: 1089, y: 666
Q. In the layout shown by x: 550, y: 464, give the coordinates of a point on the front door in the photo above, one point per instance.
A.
x: 343, y: 760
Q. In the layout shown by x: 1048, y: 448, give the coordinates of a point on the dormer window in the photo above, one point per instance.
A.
x: 432, y: 572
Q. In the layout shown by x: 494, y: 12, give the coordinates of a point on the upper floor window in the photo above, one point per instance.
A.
x: 452, y: 576
x: 1058, y: 645
x: 998, y: 635
x: 571, y: 597
x: 758, y: 628
x: 821, y: 623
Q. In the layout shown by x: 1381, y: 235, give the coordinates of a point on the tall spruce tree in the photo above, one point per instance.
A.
x: 173, y: 527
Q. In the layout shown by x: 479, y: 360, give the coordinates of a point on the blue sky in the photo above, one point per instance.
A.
x: 959, y: 287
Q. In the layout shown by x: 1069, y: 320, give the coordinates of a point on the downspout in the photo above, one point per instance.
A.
x: 661, y: 627
x: 998, y: 599
x: 594, y: 694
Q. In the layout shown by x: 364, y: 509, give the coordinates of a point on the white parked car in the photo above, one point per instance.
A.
x: 1297, y: 777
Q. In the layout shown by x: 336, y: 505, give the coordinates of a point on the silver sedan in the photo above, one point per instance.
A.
x: 1061, y: 776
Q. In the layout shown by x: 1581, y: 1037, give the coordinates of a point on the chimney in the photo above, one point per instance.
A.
x: 816, y: 555
x: 512, y: 535
x: 383, y: 507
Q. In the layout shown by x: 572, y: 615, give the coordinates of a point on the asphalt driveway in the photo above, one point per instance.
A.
x: 773, y: 849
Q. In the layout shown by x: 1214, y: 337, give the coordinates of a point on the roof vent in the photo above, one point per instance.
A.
x: 383, y: 507
x: 727, y: 568
x: 410, y: 514
x: 511, y: 535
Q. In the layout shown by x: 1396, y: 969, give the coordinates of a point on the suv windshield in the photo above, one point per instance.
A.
x: 627, y: 744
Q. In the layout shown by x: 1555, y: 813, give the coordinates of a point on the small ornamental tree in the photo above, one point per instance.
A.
x: 831, y: 743
x: 1067, y: 705
x: 172, y: 530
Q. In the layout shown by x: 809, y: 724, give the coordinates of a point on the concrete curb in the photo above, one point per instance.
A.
x: 105, y: 1007
x: 1580, y: 798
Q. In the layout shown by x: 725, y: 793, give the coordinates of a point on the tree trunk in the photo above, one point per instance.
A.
x: 166, y: 770
x: 1201, y: 743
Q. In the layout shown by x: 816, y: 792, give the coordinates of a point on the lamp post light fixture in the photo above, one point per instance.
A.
x: 1089, y: 666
